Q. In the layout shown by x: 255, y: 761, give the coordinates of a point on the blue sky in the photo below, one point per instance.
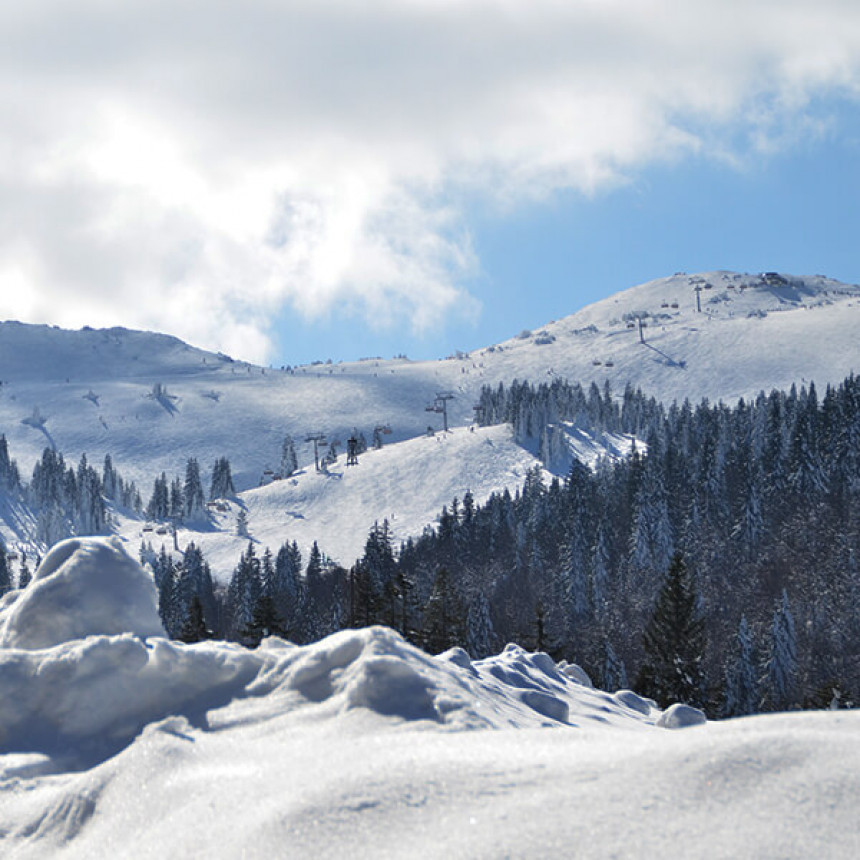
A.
x: 794, y: 210
x: 291, y: 180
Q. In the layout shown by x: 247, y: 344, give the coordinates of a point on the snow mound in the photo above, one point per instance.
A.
x: 83, y: 587
x: 91, y: 696
x: 634, y: 701
x: 84, y: 667
x: 680, y: 717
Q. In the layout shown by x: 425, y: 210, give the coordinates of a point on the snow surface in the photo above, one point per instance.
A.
x: 360, y: 744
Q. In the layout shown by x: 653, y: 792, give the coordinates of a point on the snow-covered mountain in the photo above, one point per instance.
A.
x: 151, y: 401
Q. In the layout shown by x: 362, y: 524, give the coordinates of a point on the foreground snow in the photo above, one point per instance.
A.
x: 125, y: 744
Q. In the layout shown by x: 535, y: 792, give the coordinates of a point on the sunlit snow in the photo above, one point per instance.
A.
x: 126, y: 744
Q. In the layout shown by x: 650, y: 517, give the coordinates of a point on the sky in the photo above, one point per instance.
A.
x: 288, y: 180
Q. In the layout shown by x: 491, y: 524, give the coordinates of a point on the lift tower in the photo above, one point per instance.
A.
x: 440, y: 406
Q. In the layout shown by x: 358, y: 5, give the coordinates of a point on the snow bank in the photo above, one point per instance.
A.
x: 96, y: 694
x: 84, y: 586
x: 91, y: 696
x: 83, y: 668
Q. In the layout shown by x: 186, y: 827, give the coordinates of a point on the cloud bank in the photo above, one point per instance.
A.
x: 200, y: 167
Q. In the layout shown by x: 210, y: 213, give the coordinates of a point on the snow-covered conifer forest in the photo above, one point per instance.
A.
x: 224, y: 611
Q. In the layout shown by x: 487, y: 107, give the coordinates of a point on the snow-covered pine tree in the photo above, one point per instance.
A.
x: 243, y: 593
x: 480, y: 636
x: 741, y: 681
x: 195, y: 500
x: 286, y: 587
x: 242, y: 524
x: 158, y: 507
x: 221, y: 486
x: 782, y: 681
x: 5, y: 573
x: 24, y: 575
x: 194, y: 628
x: 9, y: 477
x: 613, y: 674
x: 110, y: 480
x: 289, y: 461
x: 170, y: 609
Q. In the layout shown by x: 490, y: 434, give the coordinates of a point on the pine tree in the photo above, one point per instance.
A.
x: 9, y: 477
x: 741, y: 691
x: 221, y: 486
x: 289, y: 461
x: 242, y: 524
x: 613, y: 674
x: 265, y: 621
x: 170, y: 609
x: 195, y: 501
x: 243, y: 592
x: 782, y: 693
x: 313, y: 611
x: 286, y: 585
x: 443, y: 613
x: 194, y: 628
x: 674, y: 642
x: 159, y: 503
x: 5, y: 575
x: 24, y: 575
x: 480, y: 636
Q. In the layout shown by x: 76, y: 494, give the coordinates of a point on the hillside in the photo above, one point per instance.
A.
x: 152, y: 401
x: 94, y: 388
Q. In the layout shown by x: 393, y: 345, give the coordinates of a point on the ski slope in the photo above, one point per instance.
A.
x: 117, y: 742
x: 406, y: 484
x: 92, y: 390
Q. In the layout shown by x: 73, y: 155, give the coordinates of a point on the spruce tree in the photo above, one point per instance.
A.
x: 480, y: 636
x: 443, y: 615
x: 741, y: 691
x: 24, y: 575
x: 674, y: 642
x: 264, y: 622
x: 613, y: 674
x: 5, y: 574
x: 782, y: 692
x: 289, y: 461
x: 194, y: 628
x: 195, y: 501
x: 221, y: 486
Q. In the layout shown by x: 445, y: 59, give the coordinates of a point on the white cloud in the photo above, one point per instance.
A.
x: 194, y: 167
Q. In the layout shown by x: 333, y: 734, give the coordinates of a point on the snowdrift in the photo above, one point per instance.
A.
x: 84, y: 665
x: 126, y: 744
